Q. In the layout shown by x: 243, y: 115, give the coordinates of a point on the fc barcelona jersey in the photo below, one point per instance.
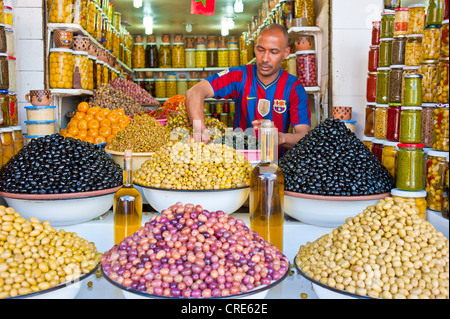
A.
x: 287, y: 97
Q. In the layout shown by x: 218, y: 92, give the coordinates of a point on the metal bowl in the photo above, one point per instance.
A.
x: 326, y: 211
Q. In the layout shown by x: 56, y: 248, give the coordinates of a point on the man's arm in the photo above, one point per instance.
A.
x: 288, y: 140
x: 195, y: 98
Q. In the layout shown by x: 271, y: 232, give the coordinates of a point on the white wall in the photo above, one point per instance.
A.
x: 29, y: 51
x: 351, y: 39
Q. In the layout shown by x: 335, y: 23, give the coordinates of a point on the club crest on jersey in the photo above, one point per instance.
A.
x: 279, y: 106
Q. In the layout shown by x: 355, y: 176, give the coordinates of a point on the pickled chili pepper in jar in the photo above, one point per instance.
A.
x: 393, y: 122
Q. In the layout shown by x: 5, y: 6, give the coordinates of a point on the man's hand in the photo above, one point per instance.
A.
x: 287, y: 140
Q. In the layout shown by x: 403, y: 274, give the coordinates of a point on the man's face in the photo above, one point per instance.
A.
x: 270, y: 51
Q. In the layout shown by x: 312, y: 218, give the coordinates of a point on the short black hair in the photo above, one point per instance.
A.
x: 276, y: 27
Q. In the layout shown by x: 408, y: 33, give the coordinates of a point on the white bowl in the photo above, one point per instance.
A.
x: 326, y: 211
x: 67, y: 290
x: 325, y: 292
x: 226, y: 200
x: 256, y: 293
x: 62, y: 209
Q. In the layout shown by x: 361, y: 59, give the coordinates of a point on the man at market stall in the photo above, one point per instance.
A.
x: 261, y: 91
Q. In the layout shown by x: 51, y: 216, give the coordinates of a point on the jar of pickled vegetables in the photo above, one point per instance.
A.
x: 429, y: 71
x: 61, y: 68
x: 367, y: 141
x: 98, y: 24
x: 445, y: 199
x: 7, y: 144
x: 305, y: 9
x: 307, y: 67
x: 436, y: 168
x: 13, y: 109
x: 80, y: 12
x: 200, y: 56
x: 81, y: 64
x: 4, y: 108
x: 17, y: 138
x: 381, y: 117
x: 160, y: 88
x: 393, y: 122
x: 106, y: 73
x: 431, y: 42
x: 99, y: 72
x: 411, y: 125
x: 416, y: 200
x: 190, y: 58
x: 395, y: 84
x: 376, y: 26
x: 178, y: 55
x: 410, y: 167
x: 416, y: 21
x: 138, y: 56
x: 413, y: 90
x: 222, y: 57
x: 401, y: 21
x: 182, y: 84
x: 233, y: 57
x: 413, y: 49
x: 387, y: 24
x: 407, y: 70
x: 385, y: 52
x: 193, y: 79
x: 151, y: 55
x: 442, y: 87
x: 91, y: 16
x: 11, y: 73
x: 377, y: 148
x: 4, y: 72
x: 171, y: 87
x: 427, y: 124
x: 441, y: 128
x: 374, y: 57
x: 389, y: 157
x: 369, y: 126
x: 398, y: 50
x: 382, y: 85
x: 435, y: 12
x: 61, y: 11
x: 211, y: 57
x: 371, y: 87
x: 444, y: 49
x: 165, y: 55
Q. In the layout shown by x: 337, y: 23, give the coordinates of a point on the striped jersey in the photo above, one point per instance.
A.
x: 287, y: 97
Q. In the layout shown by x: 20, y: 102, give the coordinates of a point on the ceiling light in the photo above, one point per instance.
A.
x: 148, y: 24
x: 230, y: 23
x: 137, y: 3
x: 224, y: 31
x: 188, y: 27
x: 238, y: 6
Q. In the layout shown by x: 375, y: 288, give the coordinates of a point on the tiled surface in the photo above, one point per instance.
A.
x: 28, y: 22
x: 30, y: 55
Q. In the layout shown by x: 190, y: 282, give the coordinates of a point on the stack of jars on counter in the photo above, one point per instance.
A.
x: 222, y: 110
x: 406, y: 120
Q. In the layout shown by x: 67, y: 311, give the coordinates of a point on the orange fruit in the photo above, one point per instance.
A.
x: 105, y: 110
x: 78, y: 137
x: 115, y: 130
x: 99, y: 116
x: 120, y: 112
x: 82, y: 133
x: 105, y: 122
x: 109, y: 139
x: 89, y: 139
x: 63, y: 132
x: 113, y: 117
x: 73, y: 131
x: 93, y: 110
x: 68, y: 135
x: 73, y: 122
x: 93, y: 124
x: 122, y: 125
x: 89, y: 117
x: 104, y: 131
x: 83, y: 125
x: 79, y: 116
x: 93, y: 132
x: 83, y: 107
x: 99, y: 139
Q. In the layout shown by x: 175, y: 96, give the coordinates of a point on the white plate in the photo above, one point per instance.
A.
x: 226, y: 200
x: 326, y: 211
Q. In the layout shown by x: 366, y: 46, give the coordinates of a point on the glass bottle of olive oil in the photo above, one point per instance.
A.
x: 127, y: 206
x: 267, y: 190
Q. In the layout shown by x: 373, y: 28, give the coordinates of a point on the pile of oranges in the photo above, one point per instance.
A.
x: 95, y: 124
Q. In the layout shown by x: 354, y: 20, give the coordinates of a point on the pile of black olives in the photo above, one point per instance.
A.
x: 331, y: 161
x: 54, y: 165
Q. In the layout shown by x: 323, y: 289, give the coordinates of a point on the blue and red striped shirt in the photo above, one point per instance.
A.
x: 288, y: 99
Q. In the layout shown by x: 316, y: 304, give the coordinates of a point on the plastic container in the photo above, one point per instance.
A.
x: 416, y: 200
x: 429, y: 71
x: 307, y: 67
x: 371, y: 87
x: 413, y: 90
x: 410, y: 167
x: 387, y: 24
x: 444, y: 47
x: 40, y: 113
x: 431, y: 42
x: 411, y: 125
x: 382, y: 85
x: 427, y: 124
x: 401, y: 21
x: 413, y: 49
x: 369, y: 126
x: 395, y: 84
x: 441, y: 128
x: 393, y: 122
x: 416, y: 21
x: 436, y: 168
x: 389, y: 157
x: 385, y: 52
x: 61, y: 66
x: 442, y: 87
x: 381, y: 117
x: 40, y: 127
x: 10, y: 42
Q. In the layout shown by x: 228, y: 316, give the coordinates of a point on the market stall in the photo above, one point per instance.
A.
x: 105, y: 194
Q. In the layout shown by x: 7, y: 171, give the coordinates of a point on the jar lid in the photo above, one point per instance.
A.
x: 376, y: 22
x: 397, y: 66
x: 189, y: 49
x: 413, y: 76
x: 383, y: 69
x: 414, y: 35
x: 292, y: 55
x: 399, y: 192
x: 139, y: 43
x: 402, y: 9
x: 31, y: 107
x: 390, y: 143
x: 378, y: 141
x: 374, y: 46
x: 39, y: 122
x: 34, y: 136
x: 415, y: 5
x: 435, y: 153
x: 428, y: 104
x: 428, y: 61
x: 412, y: 108
x: 445, y: 21
x: 305, y: 52
x: 4, y: 91
x: 178, y: 43
x: 445, y: 59
x: 411, y: 67
x: 382, y: 105
x: 433, y: 26
x: 372, y: 73
x: 11, y: 58
x: 395, y: 104
x: 211, y: 49
x: 4, y: 54
x: 348, y: 121
x: 61, y: 50
x: 387, y: 11
x: 100, y: 62
x: 80, y: 53
x: 386, y: 39
x: 411, y: 145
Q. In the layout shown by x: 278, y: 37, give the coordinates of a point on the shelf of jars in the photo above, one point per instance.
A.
x: 75, y: 28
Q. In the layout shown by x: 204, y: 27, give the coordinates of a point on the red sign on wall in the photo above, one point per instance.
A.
x: 204, y: 7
